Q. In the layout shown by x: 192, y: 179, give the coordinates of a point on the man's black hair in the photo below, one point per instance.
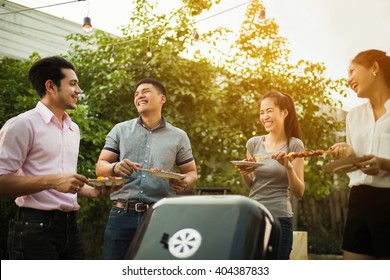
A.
x: 48, y: 68
x: 157, y: 84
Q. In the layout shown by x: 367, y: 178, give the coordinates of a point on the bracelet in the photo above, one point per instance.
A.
x: 113, y: 169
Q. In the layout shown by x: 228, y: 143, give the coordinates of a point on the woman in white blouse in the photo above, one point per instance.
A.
x: 367, y: 229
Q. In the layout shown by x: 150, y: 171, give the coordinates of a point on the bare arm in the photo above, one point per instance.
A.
x: 107, y: 165
x: 295, y: 175
x: 295, y: 172
x: 246, y: 172
x: 189, y: 169
x: 24, y: 185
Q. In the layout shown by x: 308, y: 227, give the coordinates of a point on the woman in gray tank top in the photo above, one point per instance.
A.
x: 271, y: 183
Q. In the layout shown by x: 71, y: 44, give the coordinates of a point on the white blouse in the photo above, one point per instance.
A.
x: 367, y: 136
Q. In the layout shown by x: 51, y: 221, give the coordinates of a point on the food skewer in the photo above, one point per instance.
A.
x: 164, y: 174
x: 292, y: 155
x: 153, y: 169
x: 309, y: 153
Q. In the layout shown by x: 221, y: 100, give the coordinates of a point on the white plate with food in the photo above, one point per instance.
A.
x: 168, y: 175
x: 246, y: 163
x: 99, y: 181
x: 343, y: 165
x: 163, y: 174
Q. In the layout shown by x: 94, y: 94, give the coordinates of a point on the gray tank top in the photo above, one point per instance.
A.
x: 270, y: 183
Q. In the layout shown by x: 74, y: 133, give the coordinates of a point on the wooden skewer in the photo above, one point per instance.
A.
x: 294, y: 154
x: 290, y: 155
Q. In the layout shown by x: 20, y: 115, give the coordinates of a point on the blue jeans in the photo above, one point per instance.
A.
x: 119, y: 233
x: 44, y: 235
x: 286, y: 238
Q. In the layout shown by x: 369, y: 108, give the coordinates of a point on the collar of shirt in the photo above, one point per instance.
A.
x: 369, y: 136
x: 387, y: 105
x: 161, y: 125
x: 368, y: 105
x: 48, y: 115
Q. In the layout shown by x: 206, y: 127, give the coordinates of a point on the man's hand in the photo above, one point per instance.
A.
x: 178, y: 185
x: 68, y: 183
x: 125, y: 168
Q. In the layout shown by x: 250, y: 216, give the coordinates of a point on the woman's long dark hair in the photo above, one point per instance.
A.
x: 291, y: 123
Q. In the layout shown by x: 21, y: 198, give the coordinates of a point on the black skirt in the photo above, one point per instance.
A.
x: 367, y: 229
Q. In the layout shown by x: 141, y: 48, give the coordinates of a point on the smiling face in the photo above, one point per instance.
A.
x: 147, y: 99
x: 361, y: 79
x: 271, y: 116
x: 67, y: 93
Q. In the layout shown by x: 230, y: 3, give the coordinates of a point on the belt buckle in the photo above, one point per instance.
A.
x: 138, y: 206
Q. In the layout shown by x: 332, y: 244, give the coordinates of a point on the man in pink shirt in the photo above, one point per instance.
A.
x: 38, y: 165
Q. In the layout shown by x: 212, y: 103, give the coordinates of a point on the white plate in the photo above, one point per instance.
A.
x: 246, y: 163
x: 108, y: 182
x: 343, y: 165
x: 168, y: 175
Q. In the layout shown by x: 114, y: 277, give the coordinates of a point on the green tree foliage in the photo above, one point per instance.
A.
x: 16, y: 96
x: 212, y: 94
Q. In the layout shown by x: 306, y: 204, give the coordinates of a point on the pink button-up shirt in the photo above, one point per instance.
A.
x: 35, y: 143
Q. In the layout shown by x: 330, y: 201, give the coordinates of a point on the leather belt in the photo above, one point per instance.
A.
x: 44, y: 214
x: 134, y: 206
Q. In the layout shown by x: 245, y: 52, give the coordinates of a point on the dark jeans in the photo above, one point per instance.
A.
x: 119, y: 233
x: 286, y: 238
x: 44, y: 235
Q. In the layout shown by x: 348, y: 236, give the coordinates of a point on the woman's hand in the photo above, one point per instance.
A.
x: 370, y: 166
x: 245, y: 169
x: 341, y: 150
x: 282, y: 158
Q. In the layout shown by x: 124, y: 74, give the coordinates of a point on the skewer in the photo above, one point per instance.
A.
x: 307, y: 153
x: 153, y: 170
x: 296, y: 154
